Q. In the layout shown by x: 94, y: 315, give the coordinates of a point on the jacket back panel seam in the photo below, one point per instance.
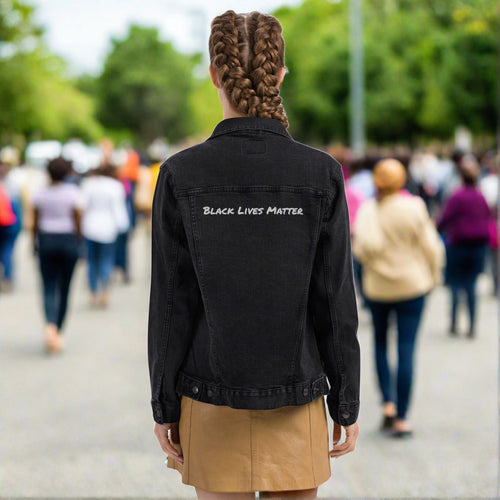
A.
x: 303, y: 305
x: 212, y: 350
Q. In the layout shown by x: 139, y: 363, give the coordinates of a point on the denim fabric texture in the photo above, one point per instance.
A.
x: 58, y: 255
x: 252, y: 302
x: 100, y: 259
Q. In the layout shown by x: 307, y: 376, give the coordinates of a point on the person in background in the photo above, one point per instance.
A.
x: 121, y: 253
x: 361, y: 178
x: 402, y: 257
x: 354, y: 200
x: 57, y: 211
x: 10, y: 232
x: 104, y: 219
x: 490, y: 189
x: 130, y: 171
x: 465, y: 221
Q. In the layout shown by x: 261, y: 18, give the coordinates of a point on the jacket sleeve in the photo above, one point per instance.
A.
x: 333, y: 307
x: 174, y: 300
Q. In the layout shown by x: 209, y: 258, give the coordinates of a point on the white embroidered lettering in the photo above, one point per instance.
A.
x: 253, y: 211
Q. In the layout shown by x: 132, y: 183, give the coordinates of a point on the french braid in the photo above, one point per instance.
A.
x: 247, y: 51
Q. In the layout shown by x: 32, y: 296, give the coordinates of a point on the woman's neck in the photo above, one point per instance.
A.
x: 228, y: 110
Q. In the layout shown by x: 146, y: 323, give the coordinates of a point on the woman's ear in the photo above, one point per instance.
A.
x: 214, y: 77
x: 281, y: 75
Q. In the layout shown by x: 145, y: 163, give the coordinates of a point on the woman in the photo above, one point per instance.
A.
x: 402, y: 257
x: 465, y: 220
x: 56, y: 234
x: 251, y: 285
x: 104, y: 219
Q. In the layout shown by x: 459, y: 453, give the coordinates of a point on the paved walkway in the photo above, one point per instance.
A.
x: 80, y: 425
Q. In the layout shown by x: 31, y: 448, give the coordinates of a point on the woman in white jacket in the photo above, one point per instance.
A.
x: 104, y: 218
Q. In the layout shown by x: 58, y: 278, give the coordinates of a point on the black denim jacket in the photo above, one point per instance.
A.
x: 252, y: 299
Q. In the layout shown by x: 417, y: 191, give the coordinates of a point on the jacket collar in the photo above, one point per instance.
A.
x: 250, y: 123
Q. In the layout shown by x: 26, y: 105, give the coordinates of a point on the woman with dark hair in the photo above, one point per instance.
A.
x: 104, y: 219
x: 56, y: 235
x: 465, y: 220
x: 252, y: 316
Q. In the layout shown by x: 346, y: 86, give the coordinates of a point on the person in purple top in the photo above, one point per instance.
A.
x: 464, y: 222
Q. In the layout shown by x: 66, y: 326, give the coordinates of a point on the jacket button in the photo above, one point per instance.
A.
x: 195, y: 389
x: 209, y: 393
x: 305, y: 392
x: 315, y: 390
x: 345, y: 414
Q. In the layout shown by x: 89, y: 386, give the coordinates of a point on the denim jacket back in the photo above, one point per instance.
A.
x: 252, y: 299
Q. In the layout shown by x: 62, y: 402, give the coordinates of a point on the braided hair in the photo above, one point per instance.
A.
x: 247, y: 52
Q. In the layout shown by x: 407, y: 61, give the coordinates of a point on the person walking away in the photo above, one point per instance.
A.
x: 121, y: 251
x: 12, y: 186
x: 489, y: 187
x: 402, y: 257
x: 105, y: 217
x: 7, y: 219
x: 57, y: 211
x: 465, y: 222
x: 131, y: 171
x: 251, y: 261
x: 354, y: 199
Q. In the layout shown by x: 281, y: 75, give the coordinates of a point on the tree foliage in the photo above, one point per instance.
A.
x: 430, y: 65
x: 36, y: 98
x: 145, y: 85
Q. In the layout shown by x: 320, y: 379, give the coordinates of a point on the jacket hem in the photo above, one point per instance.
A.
x: 251, y: 398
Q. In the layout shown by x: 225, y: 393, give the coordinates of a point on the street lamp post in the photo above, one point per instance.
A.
x: 357, y: 114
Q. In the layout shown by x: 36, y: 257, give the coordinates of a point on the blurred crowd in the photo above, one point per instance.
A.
x: 73, y: 213
x: 417, y: 219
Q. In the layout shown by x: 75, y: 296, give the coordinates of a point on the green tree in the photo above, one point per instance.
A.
x: 36, y: 99
x: 430, y: 65
x: 145, y: 85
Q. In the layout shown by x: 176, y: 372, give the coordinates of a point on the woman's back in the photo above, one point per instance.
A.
x: 256, y: 209
x: 466, y: 216
x: 105, y: 197
x: 395, y: 238
x: 56, y: 204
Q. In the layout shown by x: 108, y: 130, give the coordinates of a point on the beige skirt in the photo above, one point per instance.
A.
x: 227, y: 449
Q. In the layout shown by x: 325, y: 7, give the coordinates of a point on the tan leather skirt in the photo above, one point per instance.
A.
x: 227, y: 449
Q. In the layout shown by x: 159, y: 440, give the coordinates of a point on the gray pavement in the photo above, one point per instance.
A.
x: 80, y: 424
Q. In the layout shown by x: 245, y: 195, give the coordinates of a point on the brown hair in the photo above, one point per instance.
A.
x: 247, y: 51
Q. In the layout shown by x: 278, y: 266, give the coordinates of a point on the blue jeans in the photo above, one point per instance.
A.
x: 121, y: 260
x: 408, y: 314
x: 100, y: 258
x: 464, y: 263
x: 58, y: 254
